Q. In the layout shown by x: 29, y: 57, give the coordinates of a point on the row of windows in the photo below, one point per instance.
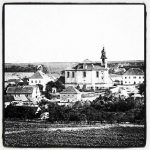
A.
x: 22, y: 94
x: 134, y: 77
x: 68, y: 95
x: 133, y: 82
x: 36, y: 81
x: 84, y: 74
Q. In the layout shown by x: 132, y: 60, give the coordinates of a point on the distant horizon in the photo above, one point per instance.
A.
x: 70, y: 61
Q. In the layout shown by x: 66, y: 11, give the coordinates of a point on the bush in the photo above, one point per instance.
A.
x: 21, y: 112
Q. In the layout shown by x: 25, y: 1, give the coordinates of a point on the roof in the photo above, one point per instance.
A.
x: 134, y: 71
x: 88, y: 65
x: 14, y: 80
x: 20, y: 90
x: 40, y: 75
x: 36, y: 75
x: 70, y: 90
x: 8, y: 98
x: 115, y: 75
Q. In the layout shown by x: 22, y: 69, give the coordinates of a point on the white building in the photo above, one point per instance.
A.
x: 133, y: 76
x: 25, y: 93
x: 90, y: 74
x: 40, y: 77
x: 70, y: 94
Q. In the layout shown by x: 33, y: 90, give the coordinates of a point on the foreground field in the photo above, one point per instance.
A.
x: 24, y: 134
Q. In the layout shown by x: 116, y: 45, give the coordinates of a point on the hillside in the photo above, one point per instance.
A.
x: 57, y: 67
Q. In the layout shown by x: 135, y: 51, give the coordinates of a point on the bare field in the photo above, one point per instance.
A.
x: 25, y: 134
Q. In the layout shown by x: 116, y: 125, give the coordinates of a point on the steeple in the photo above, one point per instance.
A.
x: 103, y: 57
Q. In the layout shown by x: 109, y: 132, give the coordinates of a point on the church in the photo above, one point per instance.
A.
x: 90, y: 74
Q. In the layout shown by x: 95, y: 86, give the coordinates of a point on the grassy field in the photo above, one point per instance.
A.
x: 24, y: 134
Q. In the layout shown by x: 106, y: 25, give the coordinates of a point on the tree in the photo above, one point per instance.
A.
x: 141, y: 88
x: 40, y: 87
x: 56, y: 112
x: 25, y: 81
x: 61, y: 79
x: 59, y: 85
x: 49, y: 86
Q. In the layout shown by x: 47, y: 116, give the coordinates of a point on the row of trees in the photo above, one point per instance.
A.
x: 28, y: 68
x: 101, y: 110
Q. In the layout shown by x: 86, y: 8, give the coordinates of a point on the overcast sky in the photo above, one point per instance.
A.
x: 73, y: 33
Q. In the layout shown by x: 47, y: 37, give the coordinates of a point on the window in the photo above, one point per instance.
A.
x: 39, y: 81
x: 31, y: 81
x: 134, y: 77
x: 84, y: 74
x: 102, y: 78
x: 102, y: 72
x: 139, y: 77
x: 125, y: 77
x: 72, y: 74
x: 143, y: 77
x: 129, y: 77
x: 67, y: 74
x: 97, y: 74
x: 35, y: 81
x: 125, y: 82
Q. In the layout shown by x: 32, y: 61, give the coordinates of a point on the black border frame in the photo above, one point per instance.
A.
x: 70, y: 3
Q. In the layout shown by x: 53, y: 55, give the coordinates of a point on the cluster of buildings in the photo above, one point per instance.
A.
x: 95, y: 75
x: 87, y: 74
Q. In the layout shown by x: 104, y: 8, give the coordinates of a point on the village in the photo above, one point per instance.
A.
x: 84, y: 84
x: 74, y: 75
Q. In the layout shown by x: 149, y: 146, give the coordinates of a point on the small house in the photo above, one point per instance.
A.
x: 70, y: 94
x: 40, y: 77
x: 24, y: 93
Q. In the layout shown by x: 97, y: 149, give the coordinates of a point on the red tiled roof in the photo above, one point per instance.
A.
x: 70, y: 90
x: 134, y: 71
x: 20, y: 90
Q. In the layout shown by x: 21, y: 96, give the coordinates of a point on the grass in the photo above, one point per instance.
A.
x: 23, y: 134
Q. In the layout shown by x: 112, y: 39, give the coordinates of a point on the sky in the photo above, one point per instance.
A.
x: 73, y: 33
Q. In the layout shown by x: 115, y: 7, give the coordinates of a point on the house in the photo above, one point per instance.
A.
x: 70, y: 94
x: 89, y: 74
x: 116, y: 78
x: 24, y: 93
x: 11, y: 78
x: 133, y: 76
x: 39, y: 77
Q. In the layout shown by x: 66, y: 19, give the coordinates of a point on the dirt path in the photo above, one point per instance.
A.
x: 75, y: 128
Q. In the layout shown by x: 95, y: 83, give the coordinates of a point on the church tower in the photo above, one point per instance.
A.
x: 103, y: 57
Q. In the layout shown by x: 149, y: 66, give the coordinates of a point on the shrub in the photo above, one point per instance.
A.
x: 21, y: 112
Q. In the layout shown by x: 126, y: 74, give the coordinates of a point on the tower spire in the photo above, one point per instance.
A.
x: 103, y: 57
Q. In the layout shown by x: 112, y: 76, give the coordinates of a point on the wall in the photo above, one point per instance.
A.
x: 39, y: 81
x: 90, y: 80
x: 70, y: 97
